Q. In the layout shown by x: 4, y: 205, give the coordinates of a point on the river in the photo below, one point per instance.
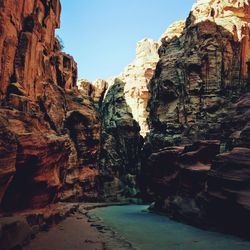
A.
x: 148, y: 231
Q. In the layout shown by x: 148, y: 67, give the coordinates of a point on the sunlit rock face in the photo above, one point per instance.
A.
x: 139, y: 72
x: 49, y: 142
x: 136, y: 76
x: 29, y: 48
x: 234, y: 16
x: 122, y: 103
x: 196, y: 158
x: 95, y: 90
x: 174, y: 30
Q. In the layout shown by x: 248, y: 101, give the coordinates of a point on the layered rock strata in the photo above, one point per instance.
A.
x: 49, y: 141
x: 200, y: 93
x: 226, y: 201
x: 198, y: 185
x: 178, y: 174
x: 202, y: 68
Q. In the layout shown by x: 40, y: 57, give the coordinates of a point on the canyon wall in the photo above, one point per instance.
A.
x: 124, y: 122
x: 121, y: 143
x: 196, y: 158
x: 137, y: 76
x: 63, y: 142
x: 50, y: 132
x: 201, y: 70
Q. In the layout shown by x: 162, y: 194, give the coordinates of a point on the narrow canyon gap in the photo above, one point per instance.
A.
x: 173, y: 129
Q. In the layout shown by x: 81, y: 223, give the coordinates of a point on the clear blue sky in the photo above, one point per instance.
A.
x: 102, y: 34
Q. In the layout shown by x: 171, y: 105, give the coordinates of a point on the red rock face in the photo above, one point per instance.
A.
x: 39, y: 160
x: 49, y: 132
x: 27, y: 43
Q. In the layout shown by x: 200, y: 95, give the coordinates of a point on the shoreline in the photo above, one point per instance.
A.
x: 112, y: 240
x: 73, y: 222
x: 41, y: 229
x: 95, y: 234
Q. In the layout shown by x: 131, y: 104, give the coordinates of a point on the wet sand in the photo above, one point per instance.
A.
x: 79, y: 231
x: 74, y: 232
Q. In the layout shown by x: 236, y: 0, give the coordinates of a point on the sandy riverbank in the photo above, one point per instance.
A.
x: 79, y: 231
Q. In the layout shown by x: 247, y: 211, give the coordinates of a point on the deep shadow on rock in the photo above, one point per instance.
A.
x: 200, y: 94
x: 120, y: 146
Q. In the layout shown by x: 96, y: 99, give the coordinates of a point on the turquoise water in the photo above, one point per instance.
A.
x: 149, y: 231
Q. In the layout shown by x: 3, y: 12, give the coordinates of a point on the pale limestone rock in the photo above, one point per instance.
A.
x: 174, y: 30
x: 136, y: 76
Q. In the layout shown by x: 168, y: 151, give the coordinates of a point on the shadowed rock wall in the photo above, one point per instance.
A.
x: 120, y: 146
x: 195, y: 163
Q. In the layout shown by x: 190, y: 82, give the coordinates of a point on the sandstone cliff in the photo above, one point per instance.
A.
x: 50, y: 132
x: 95, y: 90
x: 202, y: 67
x: 121, y: 142
x: 196, y: 159
x: 124, y: 122
x: 61, y: 143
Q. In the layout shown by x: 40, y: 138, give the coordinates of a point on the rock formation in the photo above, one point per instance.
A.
x: 226, y: 200
x: 122, y: 103
x: 49, y: 131
x: 178, y: 174
x: 63, y: 142
x: 136, y: 76
x: 95, y: 90
x: 203, y: 65
x: 120, y: 146
x: 121, y: 142
x: 195, y: 163
x: 124, y: 122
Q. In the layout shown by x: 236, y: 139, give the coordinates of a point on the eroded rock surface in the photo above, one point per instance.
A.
x: 122, y: 103
x: 195, y: 162
x: 50, y: 132
x: 95, y: 90
x: 120, y: 145
x: 137, y: 76
x: 227, y: 197
x: 178, y: 174
x: 202, y: 68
